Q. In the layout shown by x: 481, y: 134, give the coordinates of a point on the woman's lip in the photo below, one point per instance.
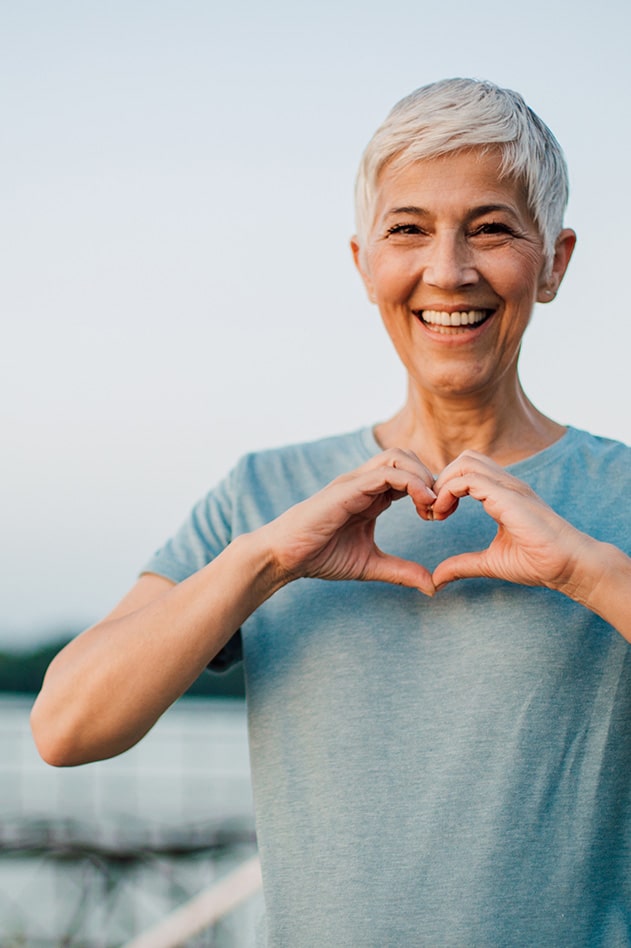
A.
x: 454, y: 322
x: 454, y: 318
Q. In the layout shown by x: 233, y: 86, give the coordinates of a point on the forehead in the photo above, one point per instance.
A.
x: 454, y: 183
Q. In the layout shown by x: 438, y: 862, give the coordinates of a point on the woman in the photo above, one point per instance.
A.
x: 438, y: 769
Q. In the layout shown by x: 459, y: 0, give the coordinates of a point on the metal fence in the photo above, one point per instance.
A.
x: 93, y: 856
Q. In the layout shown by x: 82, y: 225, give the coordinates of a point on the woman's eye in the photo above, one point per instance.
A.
x: 492, y: 228
x: 404, y: 229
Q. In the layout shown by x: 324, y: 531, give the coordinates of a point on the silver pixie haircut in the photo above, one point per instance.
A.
x: 465, y: 113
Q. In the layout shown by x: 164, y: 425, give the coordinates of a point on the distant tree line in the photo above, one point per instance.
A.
x: 22, y: 672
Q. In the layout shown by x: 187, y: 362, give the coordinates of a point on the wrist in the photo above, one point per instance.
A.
x: 586, y: 569
x: 596, y: 564
x: 260, y: 562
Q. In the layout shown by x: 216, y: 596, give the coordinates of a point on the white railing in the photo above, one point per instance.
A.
x: 63, y: 833
x: 204, y: 910
x: 193, y: 767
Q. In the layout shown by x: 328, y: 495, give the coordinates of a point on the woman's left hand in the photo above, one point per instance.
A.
x: 533, y: 545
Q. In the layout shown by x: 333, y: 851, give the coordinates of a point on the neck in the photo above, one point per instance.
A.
x: 506, y: 427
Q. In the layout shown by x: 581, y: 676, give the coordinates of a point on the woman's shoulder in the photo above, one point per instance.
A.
x: 598, y: 450
x: 320, y: 458
x: 577, y: 449
x: 265, y: 483
x: 586, y: 478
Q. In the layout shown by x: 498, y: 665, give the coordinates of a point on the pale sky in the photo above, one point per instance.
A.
x: 176, y: 204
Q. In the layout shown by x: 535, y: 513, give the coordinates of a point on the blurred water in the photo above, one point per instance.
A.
x: 92, y: 855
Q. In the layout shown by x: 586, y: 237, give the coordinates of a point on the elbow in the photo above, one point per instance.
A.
x: 67, y: 737
x: 58, y: 722
x: 54, y: 747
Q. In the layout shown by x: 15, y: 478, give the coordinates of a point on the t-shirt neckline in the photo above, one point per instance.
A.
x: 539, y: 459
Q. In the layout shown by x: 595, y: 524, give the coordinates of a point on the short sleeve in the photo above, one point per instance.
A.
x: 205, y: 533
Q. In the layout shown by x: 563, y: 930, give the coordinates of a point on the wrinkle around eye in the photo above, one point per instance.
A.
x: 496, y: 238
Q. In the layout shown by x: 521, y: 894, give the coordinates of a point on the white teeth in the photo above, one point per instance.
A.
x: 468, y: 318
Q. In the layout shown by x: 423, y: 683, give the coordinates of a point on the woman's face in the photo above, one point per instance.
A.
x: 455, y: 263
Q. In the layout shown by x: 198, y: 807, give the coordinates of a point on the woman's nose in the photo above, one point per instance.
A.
x: 449, y: 263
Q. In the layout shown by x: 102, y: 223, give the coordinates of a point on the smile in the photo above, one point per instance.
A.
x: 441, y: 321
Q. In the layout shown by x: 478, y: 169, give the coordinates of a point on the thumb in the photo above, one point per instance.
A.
x: 463, y: 566
x: 399, y: 572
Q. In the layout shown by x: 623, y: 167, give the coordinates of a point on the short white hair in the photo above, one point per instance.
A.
x: 457, y: 114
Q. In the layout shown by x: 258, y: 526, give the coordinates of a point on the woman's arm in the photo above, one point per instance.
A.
x: 533, y: 546
x: 108, y: 687
x: 602, y: 582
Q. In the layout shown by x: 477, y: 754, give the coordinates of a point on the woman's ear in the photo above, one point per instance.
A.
x: 552, y: 277
x: 362, y: 269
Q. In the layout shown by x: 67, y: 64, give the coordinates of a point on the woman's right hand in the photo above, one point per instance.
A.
x: 160, y: 636
x: 331, y: 535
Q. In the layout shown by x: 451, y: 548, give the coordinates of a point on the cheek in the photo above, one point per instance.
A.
x: 527, y: 271
x: 394, y: 283
x: 518, y: 281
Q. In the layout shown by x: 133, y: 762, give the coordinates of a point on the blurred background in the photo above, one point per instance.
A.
x: 177, y: 288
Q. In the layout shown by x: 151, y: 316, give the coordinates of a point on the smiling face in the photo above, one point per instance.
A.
x: 455, y: 263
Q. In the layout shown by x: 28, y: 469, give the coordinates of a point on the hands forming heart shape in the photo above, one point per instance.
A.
x: 331, y: 535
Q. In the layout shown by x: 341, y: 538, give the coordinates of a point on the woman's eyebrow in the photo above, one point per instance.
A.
x: 408, y: 209
x: 491, y: 208
x: 473, y: 212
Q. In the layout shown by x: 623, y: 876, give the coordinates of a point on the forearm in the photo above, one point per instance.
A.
x: 108, y: 687
x: 602, y: 583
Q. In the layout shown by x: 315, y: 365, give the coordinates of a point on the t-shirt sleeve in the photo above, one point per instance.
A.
x: 203, y: 535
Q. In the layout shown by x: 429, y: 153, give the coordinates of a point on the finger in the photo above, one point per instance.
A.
x: 357, y: 491
x: 448, y: 497
x: 463, y: 566
x: 403, y: 459
x: 447, y: 506
x: 493, y: 489
x: 469, y: 462
x: 393, y: 569
x: 456, y: 480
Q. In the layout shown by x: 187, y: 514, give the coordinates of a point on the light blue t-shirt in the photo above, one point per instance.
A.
x: 451, y: 772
